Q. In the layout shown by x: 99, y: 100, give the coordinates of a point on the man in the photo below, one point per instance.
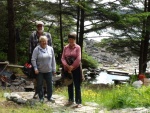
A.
x: 34, y: 38
x: 34, y: 41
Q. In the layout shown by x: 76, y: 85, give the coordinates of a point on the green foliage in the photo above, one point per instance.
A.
x: 109, y: 15
x: 133, y: 78
x: 114, y: 97
x: 31, y: 11
x: 88, y: 61
x: 127, y: 96
x: 3, y: 27
x: 23, y: 51
x: 125, y: 2
x: 3, y: 56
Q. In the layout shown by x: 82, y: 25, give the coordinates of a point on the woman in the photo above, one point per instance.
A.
x: 43, y: 61
x: 33, y: 42
x: 72, y: 51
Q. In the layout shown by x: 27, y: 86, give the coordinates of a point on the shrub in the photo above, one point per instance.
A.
x: 88, y: 61
x: 3, y: 56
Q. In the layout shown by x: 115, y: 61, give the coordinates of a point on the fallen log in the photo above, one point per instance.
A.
x: 16, y: 66
x: 11, y: 65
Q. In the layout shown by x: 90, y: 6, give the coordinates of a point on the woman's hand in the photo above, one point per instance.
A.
x: 36, y: 72
x: 70, y: 68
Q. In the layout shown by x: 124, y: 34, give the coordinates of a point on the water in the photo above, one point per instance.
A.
x: 104, y: 78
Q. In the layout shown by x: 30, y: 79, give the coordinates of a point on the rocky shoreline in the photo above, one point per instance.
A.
x: 109, y: 60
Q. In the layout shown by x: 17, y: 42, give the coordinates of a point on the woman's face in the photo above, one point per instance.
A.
x: 43, y: 43
x: 71, y: 41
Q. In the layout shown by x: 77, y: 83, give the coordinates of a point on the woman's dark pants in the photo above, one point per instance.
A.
x: 48, y: 79
x: 76, y: 82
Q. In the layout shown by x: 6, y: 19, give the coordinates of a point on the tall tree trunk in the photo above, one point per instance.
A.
x: 141, y: 52
x: 145, y: 41
x: 11, y: 27
x: 61, y: 37
x: 81, y: 28
x: 78, y: 21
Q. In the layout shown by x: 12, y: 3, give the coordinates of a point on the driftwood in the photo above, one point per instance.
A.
x: 16, y: 66
x: 11, y: 65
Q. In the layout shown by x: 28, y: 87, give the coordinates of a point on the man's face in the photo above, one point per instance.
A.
x: 40, y: 28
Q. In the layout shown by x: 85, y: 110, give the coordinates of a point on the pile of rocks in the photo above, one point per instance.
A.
x: 19, y: 97
x: 111, y: 60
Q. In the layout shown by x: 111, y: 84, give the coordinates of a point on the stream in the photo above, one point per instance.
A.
x: 105, y: 78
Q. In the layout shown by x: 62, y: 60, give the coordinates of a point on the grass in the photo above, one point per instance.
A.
x: 25, y: 109
x: 11, y: 107
x: 115, y: 97
x: 121, y: 96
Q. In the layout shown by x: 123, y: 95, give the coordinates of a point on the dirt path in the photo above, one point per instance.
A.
x: 59, y: 105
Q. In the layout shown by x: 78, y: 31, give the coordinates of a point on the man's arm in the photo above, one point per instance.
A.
x: 49, y: 39
x: 30, y: 48
x: 31, y: 45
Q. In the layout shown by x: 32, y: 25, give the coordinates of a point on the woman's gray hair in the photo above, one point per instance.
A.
x: 43, y: 38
